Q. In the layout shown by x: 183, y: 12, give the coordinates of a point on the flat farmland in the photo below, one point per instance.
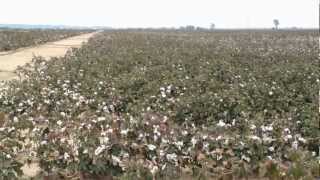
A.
x: 157, y: 104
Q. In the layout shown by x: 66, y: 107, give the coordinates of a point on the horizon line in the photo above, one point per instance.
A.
x: 2, y: 25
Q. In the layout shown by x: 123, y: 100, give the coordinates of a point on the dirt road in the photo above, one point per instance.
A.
x: 9, y: 61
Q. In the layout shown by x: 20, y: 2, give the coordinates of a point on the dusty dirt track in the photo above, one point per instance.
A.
x: 9, y: 61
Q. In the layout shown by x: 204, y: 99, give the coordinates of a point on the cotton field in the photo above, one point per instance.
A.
x: 139, y: 104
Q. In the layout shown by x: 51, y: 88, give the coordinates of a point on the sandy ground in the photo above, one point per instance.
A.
x: 9, y: 61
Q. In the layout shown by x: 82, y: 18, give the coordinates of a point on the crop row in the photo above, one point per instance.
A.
x: 14, y: 39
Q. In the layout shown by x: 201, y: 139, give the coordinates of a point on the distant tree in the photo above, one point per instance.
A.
x: 182, y: 28
x: 190, y: 28
x: 276, y: 23
x: 212, y: 26
x: 201, y: 28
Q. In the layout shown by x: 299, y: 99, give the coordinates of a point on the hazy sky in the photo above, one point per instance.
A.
x: 162, y: 13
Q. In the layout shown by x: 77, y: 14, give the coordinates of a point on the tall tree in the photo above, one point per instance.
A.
x: 276, y: 23
x: 212, y: 26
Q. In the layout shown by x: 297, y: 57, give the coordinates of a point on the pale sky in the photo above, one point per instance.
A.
x: 162, y: 13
